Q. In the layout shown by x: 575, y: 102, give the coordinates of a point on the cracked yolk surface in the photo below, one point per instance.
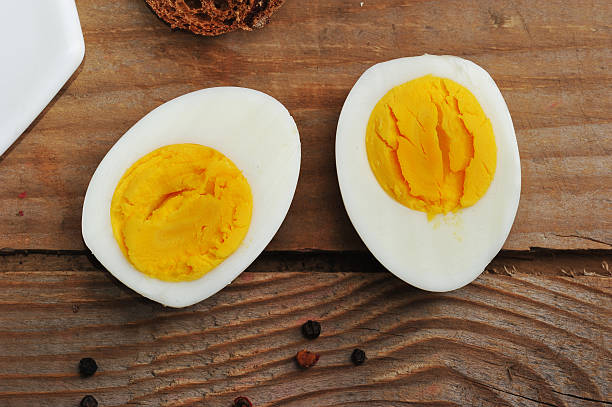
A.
x: 181, y: 210
x: 431, y: 146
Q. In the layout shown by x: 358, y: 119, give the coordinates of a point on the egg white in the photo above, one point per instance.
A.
x: 252, y: 129
x: 449, y: 251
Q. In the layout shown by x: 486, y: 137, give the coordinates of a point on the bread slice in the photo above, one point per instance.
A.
x: 215, y: 17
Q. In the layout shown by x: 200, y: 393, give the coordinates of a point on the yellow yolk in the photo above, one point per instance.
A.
x: 431, y: 146
x: 181, y: 210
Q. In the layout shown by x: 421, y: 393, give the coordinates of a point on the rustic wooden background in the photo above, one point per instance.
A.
x: 534, y: 329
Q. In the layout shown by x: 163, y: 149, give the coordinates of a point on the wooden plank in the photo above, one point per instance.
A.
x: 550, y: 59
x: 519, y: 339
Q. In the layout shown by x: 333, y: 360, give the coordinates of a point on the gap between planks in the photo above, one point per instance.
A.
x: 537, y: 262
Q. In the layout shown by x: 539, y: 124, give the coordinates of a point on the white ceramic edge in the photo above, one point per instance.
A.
x: 514, y: 193
x: 223, y: 274
x: 76, y: 53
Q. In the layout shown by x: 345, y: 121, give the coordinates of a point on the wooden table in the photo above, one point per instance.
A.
x: 534, y: 329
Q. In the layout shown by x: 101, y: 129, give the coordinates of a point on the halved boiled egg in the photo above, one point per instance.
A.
x: 429, y: 169
x: 192, y: 193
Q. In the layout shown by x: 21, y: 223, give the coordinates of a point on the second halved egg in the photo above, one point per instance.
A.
x: 429, y: 169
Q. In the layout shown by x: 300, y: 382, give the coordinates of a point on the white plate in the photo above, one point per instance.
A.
x: 41, y: 45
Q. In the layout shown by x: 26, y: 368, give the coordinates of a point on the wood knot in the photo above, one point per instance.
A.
x: 499, y: 20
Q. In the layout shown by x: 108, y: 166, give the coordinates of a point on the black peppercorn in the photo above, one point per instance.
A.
x: 242, y: 402
x: 89, y: 401
x: 358, y: 357
x: 87, y: 367
x: 311, y: 329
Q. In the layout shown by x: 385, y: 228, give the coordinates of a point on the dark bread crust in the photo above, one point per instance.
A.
x: 215, y: 17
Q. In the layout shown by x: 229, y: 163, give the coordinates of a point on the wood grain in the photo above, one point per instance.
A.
x: 518, y: 339
x: 551, y: 60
